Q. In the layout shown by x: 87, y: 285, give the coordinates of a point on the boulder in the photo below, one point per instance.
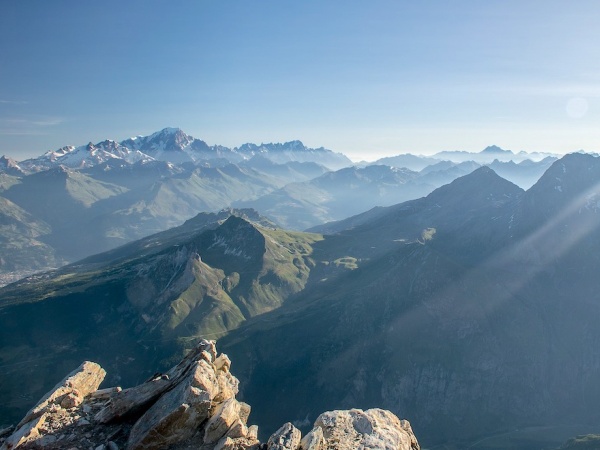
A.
x: 360, y: 430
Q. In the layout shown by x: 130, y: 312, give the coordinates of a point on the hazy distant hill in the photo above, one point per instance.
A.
x: 522, y: 168
x: 343, y: 193
x: 21, y: 250
x: 338, y: 194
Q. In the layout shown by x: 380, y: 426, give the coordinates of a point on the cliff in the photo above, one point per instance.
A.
x: 193, y: 405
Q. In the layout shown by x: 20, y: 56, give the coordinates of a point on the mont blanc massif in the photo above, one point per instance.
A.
x: 459, y: 291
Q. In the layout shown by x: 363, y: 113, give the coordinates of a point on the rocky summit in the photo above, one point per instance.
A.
x: 191, y: 406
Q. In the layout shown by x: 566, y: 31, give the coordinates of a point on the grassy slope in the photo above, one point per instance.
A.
x: 149, y: 304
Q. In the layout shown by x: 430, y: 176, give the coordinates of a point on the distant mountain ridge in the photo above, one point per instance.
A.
x: 175, y: 146
x: 97, y: 196
x: 486, y: 156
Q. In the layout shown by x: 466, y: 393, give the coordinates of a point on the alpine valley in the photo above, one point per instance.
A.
x: 460, y: 293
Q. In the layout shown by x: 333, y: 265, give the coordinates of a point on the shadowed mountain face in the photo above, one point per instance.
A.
x: 472, y: 310
x: 489, y: 322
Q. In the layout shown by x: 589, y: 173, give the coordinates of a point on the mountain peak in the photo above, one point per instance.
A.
x: 573, y: 173
x: 9, y: 166
x: 483, y: 184
x: 494, y: 149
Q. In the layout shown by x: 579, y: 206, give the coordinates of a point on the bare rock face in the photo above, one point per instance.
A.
x: 358, y: 430
x: 286, y: 438
x: 314, y: 440
x: 67, y: 394
x: 193, y: 405
x: 177, y: 414
x: 79, y: 383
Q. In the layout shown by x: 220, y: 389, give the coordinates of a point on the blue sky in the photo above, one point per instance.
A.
x: 364, y: 78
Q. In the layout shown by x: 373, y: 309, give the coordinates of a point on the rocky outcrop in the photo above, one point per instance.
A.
x: 193, y: 405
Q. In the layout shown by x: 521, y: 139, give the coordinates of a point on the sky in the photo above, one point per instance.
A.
x: 368, y: 79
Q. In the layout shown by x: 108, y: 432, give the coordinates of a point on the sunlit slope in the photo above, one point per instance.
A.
x: 487, y: 325
x: 142, y: 304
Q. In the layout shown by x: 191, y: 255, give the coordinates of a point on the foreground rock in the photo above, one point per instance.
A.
x: 192, y: 406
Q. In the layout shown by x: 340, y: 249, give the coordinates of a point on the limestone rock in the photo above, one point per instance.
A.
x: 192, y: 406
x: 24, y: 433
x: 221, y: 421
x: 245, y: 409
x: 66, y: 394
x: 223, y: 363
x: 85, y: 380
x: 228, y: 443
x: 360, y: 430
x: 228, y: 386
x: 313, y: 440
x: 71, y: 400
x: 139, y: 398
x: 286, y: 438
x: 177, y: 415
x: 252, y: 432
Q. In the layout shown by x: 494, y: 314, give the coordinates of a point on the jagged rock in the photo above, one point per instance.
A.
x: 101, y: 394
x: 314, y: 440
x: 85, y: 380
x: 24, y: 433
x: 245, y: 409
x: 193, y: 405
x: 223, y: 363
x: 228, y: 386
x: 239, y: 438
x: 286, y: 438
x: 252, y: 432
x: 71, y: 400
x: 130, y: 401
x: 357, y: 430
x: 68, y: 393
x: 224, y: 417
x: 228, y: 443
x: 177, y: 415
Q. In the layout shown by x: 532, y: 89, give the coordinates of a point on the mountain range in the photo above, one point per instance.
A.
x: 176, y: 147
x: 77, y: 201
x: 474, y: 305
